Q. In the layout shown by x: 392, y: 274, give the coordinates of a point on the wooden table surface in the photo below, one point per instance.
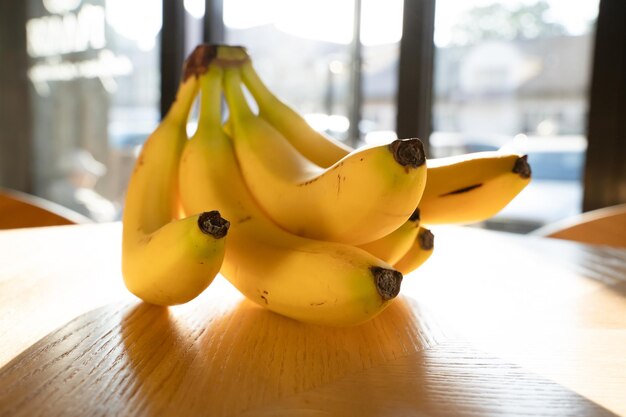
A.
x: 493, y: 325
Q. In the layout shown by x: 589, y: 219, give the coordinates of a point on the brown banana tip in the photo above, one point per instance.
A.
x: 211, y: 223
x: 522, y: 167
x: 387, y: 282
x: 426, y: 239
x: 408, y: 152
x: 197, y: 63
x: 415, y: 217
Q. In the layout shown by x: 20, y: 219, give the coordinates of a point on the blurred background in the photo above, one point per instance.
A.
x: 84, y: 82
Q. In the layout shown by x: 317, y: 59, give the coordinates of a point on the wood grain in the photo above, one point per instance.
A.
x: 217, y: 358
x: 49, y: 276
x: 452, y: 379
x: 494, y: 324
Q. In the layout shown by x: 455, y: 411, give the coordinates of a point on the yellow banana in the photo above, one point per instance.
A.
x: 319, y: 148
x: 312, y: 281
x: 392, y: 247
x: 361, y: 198
x: 419, y: 252
x: 166, y: 261
x: 472, y: 187
x: 494, y: 193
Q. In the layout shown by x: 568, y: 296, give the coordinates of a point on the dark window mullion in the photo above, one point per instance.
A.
x: 356, y: 79
x: 605, y: 171
x: 415, y: 76
x: 213, y: 28
x: 172, y: 51
x: 16, y: 139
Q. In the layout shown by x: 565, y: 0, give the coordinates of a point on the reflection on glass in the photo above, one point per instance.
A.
x: 76, y: 189
x: 95, y: 77
x: 515, y: 74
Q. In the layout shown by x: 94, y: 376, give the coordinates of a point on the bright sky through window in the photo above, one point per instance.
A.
x: 331, y: 20
x: 574, y: 15
x: 323, y: 20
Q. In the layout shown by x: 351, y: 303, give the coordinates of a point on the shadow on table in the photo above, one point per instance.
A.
x: 229, y: 357
x: 245, y: 360
x: 220, y: 362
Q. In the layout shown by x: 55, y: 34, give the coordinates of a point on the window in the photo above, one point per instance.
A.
x: 304, y: 52
x: 516, y: 74
x: 512, y: 72
x: 94, y: 78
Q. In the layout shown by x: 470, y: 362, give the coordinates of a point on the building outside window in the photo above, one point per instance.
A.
x: 516, y: 74
x: 507, y: 73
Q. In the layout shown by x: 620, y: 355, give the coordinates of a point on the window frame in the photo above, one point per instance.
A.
x: 605, y: 167
x: 606, y: 124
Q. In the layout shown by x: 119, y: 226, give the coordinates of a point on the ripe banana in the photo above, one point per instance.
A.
x: 418, y: 253
x: 166, y: 261
x: 361, y: 198
x: 484, y: 201
x: 450, y: 196
x: 312, y: 281
x: 320, y: 149
x: 472, y: 187
x: 392, y: 247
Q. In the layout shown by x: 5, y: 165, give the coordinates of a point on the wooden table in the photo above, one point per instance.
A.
x: 493, y: 325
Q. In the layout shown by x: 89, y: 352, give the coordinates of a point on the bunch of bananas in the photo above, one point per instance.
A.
x: 317, y: 231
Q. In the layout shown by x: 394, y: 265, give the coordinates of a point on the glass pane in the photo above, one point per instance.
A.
x: 94, y: 70
x: 516, y: 74
x: 381, y: 30
x: 302, y: 51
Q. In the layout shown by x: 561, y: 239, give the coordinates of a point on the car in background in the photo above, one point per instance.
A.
x: 443, y: 144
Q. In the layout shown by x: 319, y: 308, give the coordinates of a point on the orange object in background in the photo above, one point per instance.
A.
x: 19, y: 210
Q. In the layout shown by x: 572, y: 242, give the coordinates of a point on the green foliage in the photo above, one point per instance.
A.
x: 499, y: 22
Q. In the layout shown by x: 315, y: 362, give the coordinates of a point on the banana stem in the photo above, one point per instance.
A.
x: 254, y: 83
x: 387, y: 282
x: 522, y: 167
x: 211, y: 223
x: 408, y: 152
x: 426, y: 239
x: 210, y: 99
x: 237, y: 102
x: 186, y: 94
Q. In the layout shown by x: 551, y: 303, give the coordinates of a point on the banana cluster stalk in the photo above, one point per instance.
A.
x: 318, y: 232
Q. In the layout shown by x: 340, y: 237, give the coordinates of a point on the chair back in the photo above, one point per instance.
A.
x: 605, y: 226
x: 18, y: 210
